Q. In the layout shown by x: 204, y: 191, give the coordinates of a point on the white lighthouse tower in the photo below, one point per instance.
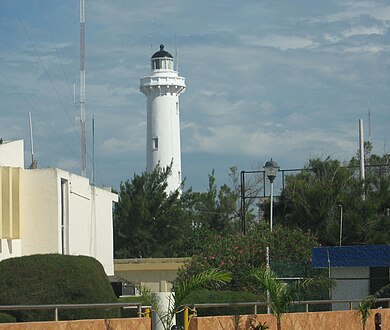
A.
x: 162, y: 89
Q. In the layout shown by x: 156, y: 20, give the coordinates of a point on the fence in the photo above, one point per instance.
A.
x: 56, y: 307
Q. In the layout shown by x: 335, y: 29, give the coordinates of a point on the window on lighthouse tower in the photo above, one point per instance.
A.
x: 155, y: 143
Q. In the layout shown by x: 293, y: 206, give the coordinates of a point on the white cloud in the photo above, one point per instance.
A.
x: 279, y: 41
x: 365, y: 30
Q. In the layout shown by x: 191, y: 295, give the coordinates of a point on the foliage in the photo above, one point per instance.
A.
x: 55, y: 279
x: 363, y: 310
x: 147, y: 221
x: 182, y: 289
x: 238, y: 253
x: 224, y: 296
x: 281, y: 294
x: 217, y: 209
x: 314, y: 199
x: 261, y: 326
x: 6, y: 318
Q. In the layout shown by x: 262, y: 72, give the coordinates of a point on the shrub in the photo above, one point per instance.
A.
x: 6, y: 318
x: 204, y: 296
x: 55, y: 279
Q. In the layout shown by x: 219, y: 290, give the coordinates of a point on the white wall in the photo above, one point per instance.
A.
x: 11, y: 154
x: 84, y: 211
x: 351, y: 283
x: 60, y: 213
x: 9, y: 248
x: 40, y: 225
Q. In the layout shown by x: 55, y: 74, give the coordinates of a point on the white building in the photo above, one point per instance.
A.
x: 52, y: 211
x: 162, y: 89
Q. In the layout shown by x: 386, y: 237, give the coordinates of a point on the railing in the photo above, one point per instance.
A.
x: 307, y: 303
x: 58, y: 307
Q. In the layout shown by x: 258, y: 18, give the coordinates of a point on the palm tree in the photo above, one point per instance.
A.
x: 280, y: 293
x: 363, y: 310
x: 182, y: 289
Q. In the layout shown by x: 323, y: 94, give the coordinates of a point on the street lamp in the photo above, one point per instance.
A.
x: 341, y: 222
x: 271, y: 169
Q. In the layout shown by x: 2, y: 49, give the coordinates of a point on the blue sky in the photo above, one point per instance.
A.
x: 281, y: 79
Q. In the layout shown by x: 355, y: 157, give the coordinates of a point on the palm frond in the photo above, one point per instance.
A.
x: 215, y: 276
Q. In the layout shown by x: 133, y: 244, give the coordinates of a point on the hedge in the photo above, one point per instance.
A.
x: 55, y: 279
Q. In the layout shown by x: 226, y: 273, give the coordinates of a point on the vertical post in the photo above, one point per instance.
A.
x: 147, y: 312
x: 186, y: 320
x: 378, y: 321
x: 271, y: 211
x: 361, y: 149
x: 31, y: 142
x: 243, y: 202
x: 56, y: 314
x: 93, y: 151
x: 341, y: 223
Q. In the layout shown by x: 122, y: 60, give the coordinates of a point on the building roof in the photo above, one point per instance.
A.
x: 162, y: 53
x: 351, y: 256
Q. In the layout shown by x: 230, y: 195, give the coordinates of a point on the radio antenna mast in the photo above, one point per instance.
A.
x: 82, y: 90
x: 33, y: 161
x: 369, y: 123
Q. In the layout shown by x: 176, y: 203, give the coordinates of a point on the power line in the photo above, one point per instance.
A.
x: 35, y: 111
x: 45, y: 69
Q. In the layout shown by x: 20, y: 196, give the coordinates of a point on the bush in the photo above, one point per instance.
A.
x: 55, y: 279
x: 210, y: 296
x: 132, y: 312
x: 6, y: 318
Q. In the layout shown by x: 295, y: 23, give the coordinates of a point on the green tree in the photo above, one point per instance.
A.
x: 281, y: 294
x: 215, y: 209
x: 236, y: 253
x: 312, y: 200
x: 147, y: 221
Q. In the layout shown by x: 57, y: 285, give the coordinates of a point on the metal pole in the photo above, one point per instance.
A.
x: 243, y: 202
x: 185, y: 321
x: 271, y: 205
x: 341, y: 223
x: 361, y: 150
x: 268, y: 248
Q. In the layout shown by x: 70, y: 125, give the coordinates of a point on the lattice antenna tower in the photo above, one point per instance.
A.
x: 82, y: 90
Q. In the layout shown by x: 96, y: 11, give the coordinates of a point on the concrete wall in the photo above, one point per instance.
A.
x: 63, y: 213
x: 41, y: 227
x: 52, y: 211
x: 12, y: 154
x: 154, y: 273
x: 113, y: 324
x: 345, y: 320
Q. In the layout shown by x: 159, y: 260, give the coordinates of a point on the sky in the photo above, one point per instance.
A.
x: 287, y: 80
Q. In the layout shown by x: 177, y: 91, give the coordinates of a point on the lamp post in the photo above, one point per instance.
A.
x: 271, y: 169
x: 341, y: 222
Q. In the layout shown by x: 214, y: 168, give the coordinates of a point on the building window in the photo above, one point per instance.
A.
x: 155, y: 143
x: 177, y: 108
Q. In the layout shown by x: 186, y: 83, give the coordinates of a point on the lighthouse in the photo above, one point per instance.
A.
x: 162, y: 89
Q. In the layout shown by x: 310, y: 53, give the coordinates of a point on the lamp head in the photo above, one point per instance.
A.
x: 271, y: 169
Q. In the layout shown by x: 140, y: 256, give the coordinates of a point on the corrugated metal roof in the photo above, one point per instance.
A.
x: 351, y: 256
